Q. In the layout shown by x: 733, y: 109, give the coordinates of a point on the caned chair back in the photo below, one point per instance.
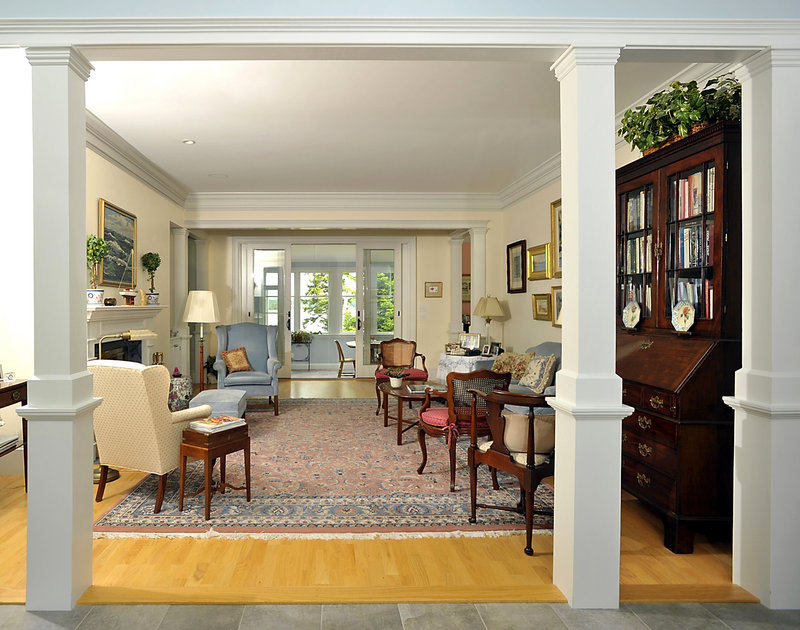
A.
x: 459, y: 396
x: 398, y: 353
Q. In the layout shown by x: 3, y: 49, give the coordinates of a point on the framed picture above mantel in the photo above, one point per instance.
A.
x: 118, y: 228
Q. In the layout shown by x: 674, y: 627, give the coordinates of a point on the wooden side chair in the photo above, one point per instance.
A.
x: 344, y: 360
x: 520, y: 444
x: 461, y: 412
x: 398, y: 353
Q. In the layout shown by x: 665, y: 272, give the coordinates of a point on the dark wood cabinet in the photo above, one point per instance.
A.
x: 679, y: 240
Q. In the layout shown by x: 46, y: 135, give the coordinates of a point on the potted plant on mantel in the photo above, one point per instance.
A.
x: 151, y: 262
x: 681, y: 110
x: 96, y: 251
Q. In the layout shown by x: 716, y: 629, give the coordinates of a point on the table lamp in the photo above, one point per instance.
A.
x: 488, y: 307
x: 201, y: 308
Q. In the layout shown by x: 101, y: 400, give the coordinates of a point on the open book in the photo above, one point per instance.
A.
x: 216, y: 423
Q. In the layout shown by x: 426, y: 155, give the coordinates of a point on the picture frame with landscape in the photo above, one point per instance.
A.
x: 555, y: 238
x: 541, y: 306
x: 118, y: 228
x: 539, y: 262
x: 515, y: 267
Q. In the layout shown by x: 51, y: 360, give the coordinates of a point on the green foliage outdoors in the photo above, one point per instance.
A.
x: 316, y: 304
x: 673, y: 112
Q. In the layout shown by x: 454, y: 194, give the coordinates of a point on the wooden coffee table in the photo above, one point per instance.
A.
x: 208, y: 447
x: 402, y: 394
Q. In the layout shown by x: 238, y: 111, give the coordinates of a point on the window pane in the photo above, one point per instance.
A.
x: 314, y: 301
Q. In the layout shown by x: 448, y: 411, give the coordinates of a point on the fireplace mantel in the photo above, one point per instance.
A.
x: 111, y: 320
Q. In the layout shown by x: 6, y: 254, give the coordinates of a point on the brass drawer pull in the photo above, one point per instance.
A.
x: 624, y: 392
x: 15, y: 396
x: 643, y: 480
x: 644, y: 450
x: 624, y: 437
x: 656, y: 402
x: 644, y: 422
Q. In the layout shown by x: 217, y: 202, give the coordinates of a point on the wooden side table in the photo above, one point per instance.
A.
x: 402, y: 394
x: 208, y: 447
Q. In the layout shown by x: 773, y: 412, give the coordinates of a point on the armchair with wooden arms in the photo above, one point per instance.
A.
x: 520, y: 444
x: 133, y: 426
x: 398, y: 353
x: 460, y: 414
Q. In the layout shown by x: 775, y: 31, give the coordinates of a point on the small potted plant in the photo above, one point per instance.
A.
x: 301, y: 336
x: 96, y: 251
x: 396, y: 376
x: 151, y: 262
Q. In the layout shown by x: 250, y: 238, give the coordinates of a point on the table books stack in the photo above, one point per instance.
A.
x: 216, y: 424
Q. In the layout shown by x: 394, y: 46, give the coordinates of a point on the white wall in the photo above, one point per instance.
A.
x: 16, y: 234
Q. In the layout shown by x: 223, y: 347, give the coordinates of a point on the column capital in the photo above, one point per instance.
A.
x: 584, y: 56
x: 60, y: 56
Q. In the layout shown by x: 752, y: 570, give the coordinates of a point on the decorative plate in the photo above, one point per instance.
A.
x: 682, y: 316
x: 631, y: 314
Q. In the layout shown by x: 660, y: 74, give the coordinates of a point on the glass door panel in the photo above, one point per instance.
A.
x: 377, y: 312
x: 268, y: 304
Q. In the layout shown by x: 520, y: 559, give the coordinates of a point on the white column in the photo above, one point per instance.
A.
x: 766, y: 539
x: 60, y: 404
x: 477, y: 271
x: 179, y: 332
x: 456, y: 254
x: 589, y: 408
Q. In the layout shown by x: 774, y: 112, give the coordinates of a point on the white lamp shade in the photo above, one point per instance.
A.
x: 489, y: 307
x: 201, y: 307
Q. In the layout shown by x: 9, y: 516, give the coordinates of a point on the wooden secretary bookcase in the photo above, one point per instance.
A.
x: 679, y: 240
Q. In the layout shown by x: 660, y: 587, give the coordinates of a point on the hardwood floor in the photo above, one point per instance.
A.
x: 187, y: 570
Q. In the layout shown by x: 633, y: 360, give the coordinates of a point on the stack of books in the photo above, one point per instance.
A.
x: 216, y: 423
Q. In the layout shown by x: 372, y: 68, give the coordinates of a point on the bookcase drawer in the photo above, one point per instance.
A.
x: 649, y: 452
x: 659, y: 401
x: 631, y: 394
x: 652, y: 427
x: 648, y: 484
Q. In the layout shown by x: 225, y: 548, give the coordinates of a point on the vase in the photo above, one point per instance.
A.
x: 94, y: 296
x: 152, y: 299
x: 395, y: 382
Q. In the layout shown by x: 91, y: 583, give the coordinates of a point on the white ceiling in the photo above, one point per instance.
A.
x: 435, y: 125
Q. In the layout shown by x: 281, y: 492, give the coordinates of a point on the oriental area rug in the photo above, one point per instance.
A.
x: 328, y: 468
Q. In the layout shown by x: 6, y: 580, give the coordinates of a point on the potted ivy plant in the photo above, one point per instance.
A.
x: 301, y: 336
x: 151, y: 261
x: 96, y: 251
x: 684, y: 108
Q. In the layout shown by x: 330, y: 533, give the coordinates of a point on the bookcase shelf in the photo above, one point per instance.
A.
x: 679, y: 239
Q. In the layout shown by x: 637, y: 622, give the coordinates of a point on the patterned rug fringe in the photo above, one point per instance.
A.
x: 213, y: 534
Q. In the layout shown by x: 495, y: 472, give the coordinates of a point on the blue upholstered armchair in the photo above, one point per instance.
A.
x: 262, y: 353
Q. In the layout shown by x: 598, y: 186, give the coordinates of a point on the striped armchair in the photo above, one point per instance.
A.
x: 133, y: 426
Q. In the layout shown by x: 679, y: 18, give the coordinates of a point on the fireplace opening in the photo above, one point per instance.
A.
x: 120, y: 350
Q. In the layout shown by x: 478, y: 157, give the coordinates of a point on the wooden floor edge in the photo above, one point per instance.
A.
x: 685, y: 593
x: 319, y: 595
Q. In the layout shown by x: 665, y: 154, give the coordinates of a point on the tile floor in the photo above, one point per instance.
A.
x: 405, y: 617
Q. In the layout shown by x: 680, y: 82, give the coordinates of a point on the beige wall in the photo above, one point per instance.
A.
x: 433, y: 314
x: 154, y: 215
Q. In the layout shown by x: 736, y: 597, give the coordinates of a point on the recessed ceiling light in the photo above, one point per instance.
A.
x: 188, y: 141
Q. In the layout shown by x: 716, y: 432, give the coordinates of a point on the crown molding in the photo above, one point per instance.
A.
x: 374, y: 202
x: 106, y: 142
x: 533, y: 181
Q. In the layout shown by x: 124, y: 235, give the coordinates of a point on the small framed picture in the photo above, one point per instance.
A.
x: 555, y: 293
x: 487, y: 350
x: 515, y: 267
x: 540, y: 262
x: 470, y: 341
x: 433, y: 289
x: 541, y: 306
x: 1, y: 373
x: 494, y: 349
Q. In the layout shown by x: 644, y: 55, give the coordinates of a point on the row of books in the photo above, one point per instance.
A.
x: 698, y: 292
x: 639, y: 254
x: 216, y: 424
x: 694, y: 247
x: 636, y: 209
x: 690, y: 196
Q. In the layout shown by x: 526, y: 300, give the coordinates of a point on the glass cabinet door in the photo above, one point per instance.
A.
x: 636, y: 242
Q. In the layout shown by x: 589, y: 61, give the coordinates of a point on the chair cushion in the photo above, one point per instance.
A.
x: 247, y: 378
x: 435, y: 416
x: 512, y: 362
x: 236, y: 360
x: 517, y: 457
x: 414, y: 374
x: 540, y: 373
x: 515, y: 436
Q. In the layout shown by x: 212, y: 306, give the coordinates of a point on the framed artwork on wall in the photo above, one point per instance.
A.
x: 118, y: 228
x: 515, y: 267
x: 555, y: 237
x: 541, y: 306
x: 539, y: 262
x: 433, y: 289
x: 466, y: 288
x: 555, y: 293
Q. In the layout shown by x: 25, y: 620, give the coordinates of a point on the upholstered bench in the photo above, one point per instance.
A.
x: 229, y: 402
